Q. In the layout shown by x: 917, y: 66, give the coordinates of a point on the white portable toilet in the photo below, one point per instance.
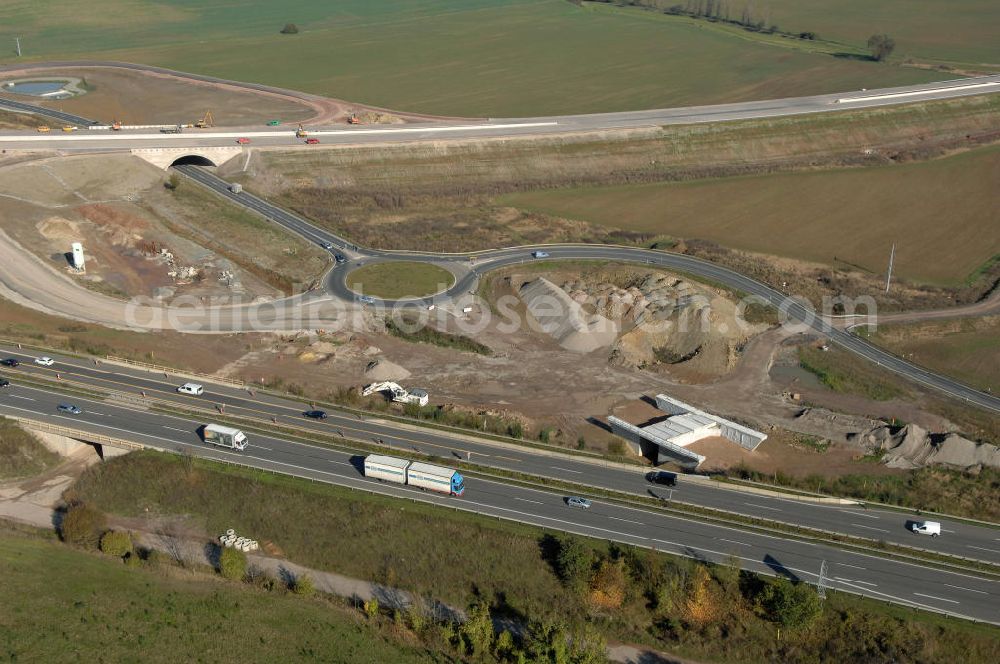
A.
x: 78, y: 260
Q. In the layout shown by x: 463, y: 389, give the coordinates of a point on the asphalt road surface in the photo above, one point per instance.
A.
x: 866, y: 574
x: 961, y: 539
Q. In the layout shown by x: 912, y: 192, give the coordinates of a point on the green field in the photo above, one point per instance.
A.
x: 392, y: 281
x: 21, y: 455
x: 492, y: 58
x: 942, y: 215
x: 966, y: 349
x: 64, y: 605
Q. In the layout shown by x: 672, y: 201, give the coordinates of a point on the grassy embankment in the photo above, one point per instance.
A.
x: 62, y: 605
x: 966, y: 349
x: 393, y: 281
x: 278, y: 258
x: 486, y: 58
x: 523, y: 572
x: 14, y: 120
x: 20, y: 454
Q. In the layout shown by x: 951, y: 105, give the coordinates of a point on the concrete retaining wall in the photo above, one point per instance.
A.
x: 743, y: 436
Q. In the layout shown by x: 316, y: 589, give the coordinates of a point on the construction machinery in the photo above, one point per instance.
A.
x: 43, y: 130
x: 301, y: 132
x: 206, y: 122
x: 397, y: 393
x: 116, y: 125
x: 354, y: 119
x: 69, y: 128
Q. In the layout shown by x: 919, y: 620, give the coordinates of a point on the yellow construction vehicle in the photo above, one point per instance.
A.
x: 205, y: 122
x: 301, y: 132
x: 43, y: 130
x: 69, y: 128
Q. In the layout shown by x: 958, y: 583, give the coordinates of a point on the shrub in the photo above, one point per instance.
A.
x: 290, y: 29
x: 232, y: 564
x: 371, y: 608
x: 790, y: 605
x: 82, y: 525
x: 573, y: 561
x: 116, y: 543
x: 132, y: 559
x: 304, y: 586
x: 608, y: 585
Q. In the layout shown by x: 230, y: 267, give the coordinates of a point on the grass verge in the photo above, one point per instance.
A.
x: 392, y: 281
x: 461, y: 558
x: 63, y: 604
x: 411, y: 330
x: 859, y: 378
x: 21, y: 455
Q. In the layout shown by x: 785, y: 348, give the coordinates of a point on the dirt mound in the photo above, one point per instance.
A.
x: 380, y: 370
x: 668, y: 321
x: 563, y: 318
x: 913, y: 447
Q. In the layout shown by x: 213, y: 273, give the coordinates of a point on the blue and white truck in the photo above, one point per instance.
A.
x: 414, y: 473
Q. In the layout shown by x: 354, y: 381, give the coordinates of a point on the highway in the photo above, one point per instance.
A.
x: 792, y: 308
x: 866, y: 574
x: 961, y: 539
x: 491, y: 128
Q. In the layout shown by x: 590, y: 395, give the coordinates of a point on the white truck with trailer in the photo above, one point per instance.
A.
x: 414, y: 473
x: 216, y: 434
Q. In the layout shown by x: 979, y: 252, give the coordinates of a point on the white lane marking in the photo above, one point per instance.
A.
x: 567, y: 470
x: 895, y: 95
x: 850, y: 565
x: 867, y: 516
x: 269, y: 134
x: 971, y: 590
x: 982, y: 549
x: 940, y: 599
x: 864, y: 583
x: 176, y: 429
x: 94, y: 412
x: 260, y: 447
x: 18, y: 396
x: 723, y: 539
x: 528, y: 500
x: 763, y: 507
x: 618, y: 518
x: 858, y: 525
x: 497, y: 456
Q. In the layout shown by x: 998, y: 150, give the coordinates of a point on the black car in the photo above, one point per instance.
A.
x: 4, y: 382
x: 10, y: 362
x: 315, y: 414
x: 662, y: 477
x: 341, y: 258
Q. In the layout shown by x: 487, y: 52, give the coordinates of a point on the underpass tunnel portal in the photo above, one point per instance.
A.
x: 194, y: 160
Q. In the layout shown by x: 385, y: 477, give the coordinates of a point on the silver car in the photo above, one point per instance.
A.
x: 575, y: 501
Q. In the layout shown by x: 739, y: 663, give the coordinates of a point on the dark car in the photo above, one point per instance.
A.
x: 341, y: 258
x: 315, y: 414
x: 4, y: 382
x: 10, y: 362
x: 69, y: 408
x: 662, y: 477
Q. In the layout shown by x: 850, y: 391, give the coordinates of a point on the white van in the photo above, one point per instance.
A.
x: 932, y: 528
x: 191, y: 388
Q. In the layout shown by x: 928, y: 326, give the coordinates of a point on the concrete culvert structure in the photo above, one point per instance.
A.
x: 193, y: 160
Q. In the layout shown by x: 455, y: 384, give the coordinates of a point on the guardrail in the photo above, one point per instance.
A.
x: 159, y: 368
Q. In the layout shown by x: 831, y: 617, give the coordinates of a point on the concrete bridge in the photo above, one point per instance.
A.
x: 208, y: 156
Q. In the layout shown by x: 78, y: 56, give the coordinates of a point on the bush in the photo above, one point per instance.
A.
x: 790, y: 605
x: 132, y: 559
x: 290, y: 29
x: 573, y: 561
x: 304, y: 586
x: 232, y: 564
x: 116, y: 543
x: 82, y: 525
x: 371, y: 608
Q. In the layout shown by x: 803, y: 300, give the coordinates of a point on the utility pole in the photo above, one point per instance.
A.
x: 17, y: 41
x: 892, y: 256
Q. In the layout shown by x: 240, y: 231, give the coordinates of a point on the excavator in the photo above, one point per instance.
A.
x: 205, y: 122
x: 301, y: 132
x: 354, y: 119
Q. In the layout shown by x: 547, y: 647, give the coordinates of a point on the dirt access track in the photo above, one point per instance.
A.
x: 137, y: 94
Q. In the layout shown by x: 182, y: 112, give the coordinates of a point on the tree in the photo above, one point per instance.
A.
x: 116, y: 543
x: 790, y: 605
x: 477, y: 630
x: 82, y: 525
x: 608, y: 585
x: 290, y: 29
x: 573, y: 561
x: 232, y: 564
x: 881, y: 46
